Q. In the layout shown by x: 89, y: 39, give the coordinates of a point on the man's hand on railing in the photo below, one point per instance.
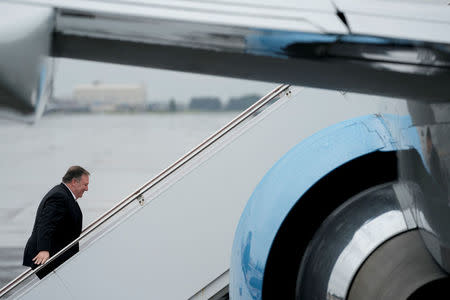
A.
x: 41, y: 257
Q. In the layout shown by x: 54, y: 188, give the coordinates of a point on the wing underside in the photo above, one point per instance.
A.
x: 385, y: 48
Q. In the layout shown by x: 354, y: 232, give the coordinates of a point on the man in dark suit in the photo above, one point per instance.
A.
x: 58, y: 222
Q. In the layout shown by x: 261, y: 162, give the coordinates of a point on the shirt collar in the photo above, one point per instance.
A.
x: 74, y: 198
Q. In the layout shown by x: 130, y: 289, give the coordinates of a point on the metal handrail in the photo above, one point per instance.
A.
x: 133, y: 196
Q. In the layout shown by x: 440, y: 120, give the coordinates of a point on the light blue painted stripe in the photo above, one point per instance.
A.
x: 275, y: 42
x: 292, y: 176
x: 41, y: 84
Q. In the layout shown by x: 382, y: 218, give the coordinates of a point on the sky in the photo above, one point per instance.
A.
x: 161, y: 84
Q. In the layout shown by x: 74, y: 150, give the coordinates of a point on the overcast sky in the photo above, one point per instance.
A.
x: 161, y: 84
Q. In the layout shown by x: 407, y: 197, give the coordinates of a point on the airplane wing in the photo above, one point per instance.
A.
x: 390, y: 48
x: 398, y: 49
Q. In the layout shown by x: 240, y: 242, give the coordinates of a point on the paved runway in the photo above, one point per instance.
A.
x: 122, y: 152
x: 11, y: 264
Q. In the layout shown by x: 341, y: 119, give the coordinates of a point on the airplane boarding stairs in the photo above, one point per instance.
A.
x: 172, y: 238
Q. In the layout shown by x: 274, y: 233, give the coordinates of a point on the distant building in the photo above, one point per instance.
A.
x: 205, y: 103
x: 111, y: 97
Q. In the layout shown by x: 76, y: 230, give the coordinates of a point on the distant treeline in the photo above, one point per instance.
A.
x: 208, y: 103
x: 214, y: 103
x: 196, y: 104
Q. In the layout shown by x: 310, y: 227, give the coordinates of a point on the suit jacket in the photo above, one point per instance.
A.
x: 58, y: 222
